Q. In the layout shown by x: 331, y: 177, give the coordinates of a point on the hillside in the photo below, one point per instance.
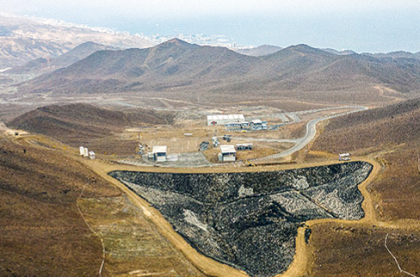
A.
x: 23, y: 39
x: 391, y: 133
x: 391, y: 125
x: 80, y: 123
x: 176, y: 66
x: 44, y: 65
x: 42, y: 231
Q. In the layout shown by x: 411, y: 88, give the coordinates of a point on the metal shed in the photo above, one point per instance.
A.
x: 159, y: 153
x: 228, y: 153
x: 222, y: 119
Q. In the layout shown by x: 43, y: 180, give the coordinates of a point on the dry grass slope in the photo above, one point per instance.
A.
x: 76, y: 124
x: 41, y: 230
x: 390, y: 135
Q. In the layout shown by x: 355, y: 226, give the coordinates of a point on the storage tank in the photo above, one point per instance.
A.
x: 82, y: 150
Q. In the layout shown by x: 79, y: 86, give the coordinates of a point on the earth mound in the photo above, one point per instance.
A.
x: 76, y: 122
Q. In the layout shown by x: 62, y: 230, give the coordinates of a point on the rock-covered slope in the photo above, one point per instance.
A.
x: 250, y: 220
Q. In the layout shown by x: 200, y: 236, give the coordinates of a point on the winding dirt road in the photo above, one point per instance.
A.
x: 310, y: 134
x: 299, y: 267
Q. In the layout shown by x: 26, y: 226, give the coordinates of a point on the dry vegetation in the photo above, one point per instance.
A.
x: 133, y: 245
x: 78, y: 124
x: 390, y: 135
x: 358, y: 250
x: 39, y: 213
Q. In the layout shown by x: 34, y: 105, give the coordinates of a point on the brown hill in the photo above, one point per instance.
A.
x: 171, y: 64
x: 80, y: 123
x: 42, y: 232
x: 44, y: 65
x: 23, y: 39
x: 391, y: 134
x: 395, y: 124
x: 176, y: 66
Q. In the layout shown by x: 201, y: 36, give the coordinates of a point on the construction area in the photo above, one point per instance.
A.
x: 199, y: 199
x: 198, y: 139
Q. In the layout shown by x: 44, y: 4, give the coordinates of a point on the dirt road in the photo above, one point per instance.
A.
x: 301, y: 264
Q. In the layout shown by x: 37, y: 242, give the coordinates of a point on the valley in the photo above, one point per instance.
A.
x: 286, y: 206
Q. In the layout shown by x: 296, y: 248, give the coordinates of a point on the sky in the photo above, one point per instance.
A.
x: 358, y: 25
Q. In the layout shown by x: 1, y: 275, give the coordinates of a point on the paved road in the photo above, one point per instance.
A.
x: 310, y: 132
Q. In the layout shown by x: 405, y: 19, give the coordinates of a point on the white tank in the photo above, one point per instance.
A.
x: 86, y: 152
x: 82, y: 150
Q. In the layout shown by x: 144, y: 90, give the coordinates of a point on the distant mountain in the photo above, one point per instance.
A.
x: 394, y: 55
x: 171, y: 64
x: 262, y: 50
x: 43, y: 65
x: 343, y: 52
x: 179, y: 66
x: 5, y: 80
x: 23, y: 40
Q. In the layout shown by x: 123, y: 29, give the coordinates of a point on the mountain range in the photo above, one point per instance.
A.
x: 44, y: 65
x: 176, y: 66
x: 25, y: 39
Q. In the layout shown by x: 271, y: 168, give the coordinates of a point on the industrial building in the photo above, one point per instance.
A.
x: 237, y: 125
x: 228, y: 153
x: 86, y: 153
x: 344, y: 157
x: 244, y: 146
x: 257, y: 124
x: 92, y: 155
x: 159, y: 153
x: 223, y: 119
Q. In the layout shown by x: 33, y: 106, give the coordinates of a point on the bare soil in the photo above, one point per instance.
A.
x: 134, y: 247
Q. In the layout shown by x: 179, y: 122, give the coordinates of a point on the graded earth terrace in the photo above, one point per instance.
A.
x: 249, y: 220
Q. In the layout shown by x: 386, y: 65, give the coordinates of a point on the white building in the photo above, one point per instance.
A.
x: 228, y: 153
x: 159, y: 153
x: 257, y: 124
x: 91, y: 155
x: 222, y: 119
x: 344, y: 157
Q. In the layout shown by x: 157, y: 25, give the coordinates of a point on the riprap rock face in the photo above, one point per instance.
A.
x: 249, y: 220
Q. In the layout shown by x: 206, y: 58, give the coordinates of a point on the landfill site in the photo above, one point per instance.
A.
x: 217, y: 204
x: 237, y: 192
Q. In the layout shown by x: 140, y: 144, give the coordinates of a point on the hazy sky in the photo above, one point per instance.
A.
x: 359, y: 25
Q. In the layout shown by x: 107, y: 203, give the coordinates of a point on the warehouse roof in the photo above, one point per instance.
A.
x: 226, y: 149
x: 160, y: 149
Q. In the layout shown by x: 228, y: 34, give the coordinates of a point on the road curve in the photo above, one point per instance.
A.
x: 310, y: 133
